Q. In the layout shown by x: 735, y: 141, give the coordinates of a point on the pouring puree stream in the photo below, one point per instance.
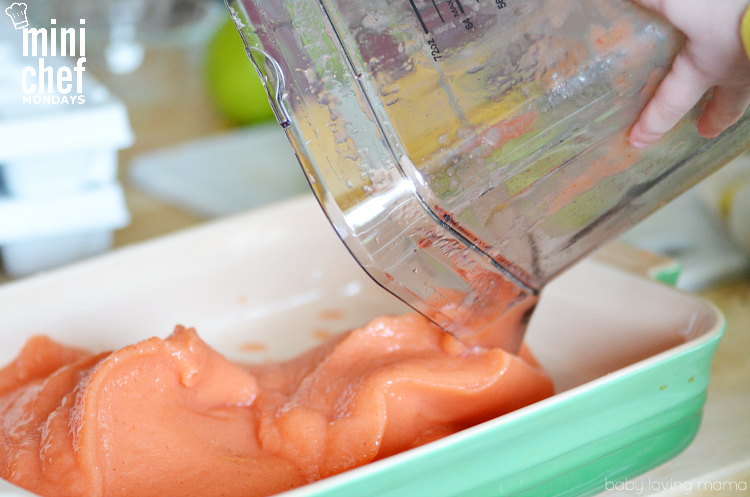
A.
x: 174, y: 417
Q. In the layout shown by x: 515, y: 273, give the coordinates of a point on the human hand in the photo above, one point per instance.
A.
x: 713, y: 57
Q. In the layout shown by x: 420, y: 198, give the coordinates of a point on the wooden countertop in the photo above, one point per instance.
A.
x: 167, y: 105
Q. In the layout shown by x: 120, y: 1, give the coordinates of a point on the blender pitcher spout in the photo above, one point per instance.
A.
x: 269, y: 69
x: 273, y: 79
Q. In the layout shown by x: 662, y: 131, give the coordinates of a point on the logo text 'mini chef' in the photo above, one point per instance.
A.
x: 44, y: 82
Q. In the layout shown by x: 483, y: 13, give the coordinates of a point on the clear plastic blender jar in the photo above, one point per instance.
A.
x: 466, y: 152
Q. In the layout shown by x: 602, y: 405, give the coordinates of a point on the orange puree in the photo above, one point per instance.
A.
x: 174, y: 417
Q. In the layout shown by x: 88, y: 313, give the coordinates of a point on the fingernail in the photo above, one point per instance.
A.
x: 708, y: 133
x: 639, y: 144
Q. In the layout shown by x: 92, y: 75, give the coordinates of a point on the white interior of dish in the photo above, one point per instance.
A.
x: 272, y: 283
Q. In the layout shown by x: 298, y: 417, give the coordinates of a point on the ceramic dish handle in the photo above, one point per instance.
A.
x: 639, y: 262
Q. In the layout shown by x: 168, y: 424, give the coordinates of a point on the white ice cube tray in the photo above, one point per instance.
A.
x: 59, y: 196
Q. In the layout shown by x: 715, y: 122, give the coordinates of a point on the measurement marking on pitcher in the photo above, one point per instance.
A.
x: 438, y: 12
x: 434, y: 50
x: 419, y: 16
x: 456, y: 9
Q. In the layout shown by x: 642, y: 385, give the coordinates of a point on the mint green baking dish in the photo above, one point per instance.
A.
x: 615, y: 426
x: 630, y: 357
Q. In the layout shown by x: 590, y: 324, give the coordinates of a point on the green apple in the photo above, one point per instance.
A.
x: 233, y: 82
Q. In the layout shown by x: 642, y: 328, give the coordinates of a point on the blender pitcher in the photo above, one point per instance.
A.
x: 467, y: 151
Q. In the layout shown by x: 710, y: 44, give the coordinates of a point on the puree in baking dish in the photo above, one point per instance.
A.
x: 174, y: 417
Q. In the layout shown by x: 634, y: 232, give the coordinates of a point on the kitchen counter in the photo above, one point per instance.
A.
x: 163, y: 114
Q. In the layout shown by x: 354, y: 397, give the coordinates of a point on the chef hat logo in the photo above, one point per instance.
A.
x: 17, y: 13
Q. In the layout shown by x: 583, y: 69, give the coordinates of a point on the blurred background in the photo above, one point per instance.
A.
x: 175, y: 129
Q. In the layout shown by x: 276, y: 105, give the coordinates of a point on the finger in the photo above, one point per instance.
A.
x: 657, y: 5
x: 724, y: 109
x: 680, y: 13
x: 662, y: 7
x: 677, y: 94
